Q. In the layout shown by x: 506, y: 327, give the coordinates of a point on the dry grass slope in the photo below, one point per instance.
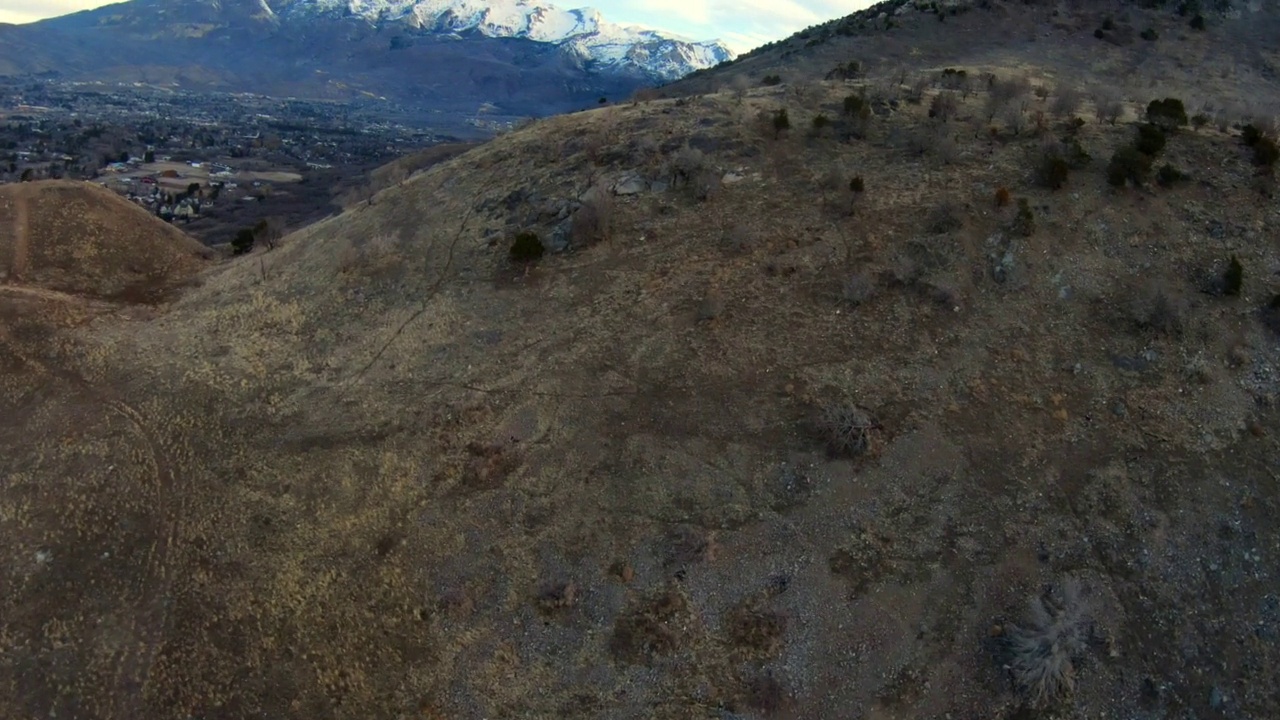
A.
x: 81, y: 239
x: 380, y: 472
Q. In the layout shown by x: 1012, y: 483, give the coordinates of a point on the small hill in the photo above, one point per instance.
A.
x: 81, y: 239
x: 888, y: 397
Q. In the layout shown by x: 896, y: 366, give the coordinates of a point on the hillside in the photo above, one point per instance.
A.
x: 1132, y: 47
x: 81, y: 239
x: 809, y: 421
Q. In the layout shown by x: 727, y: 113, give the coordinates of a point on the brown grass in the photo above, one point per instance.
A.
x: 82, y: 239
x: 355, y: 487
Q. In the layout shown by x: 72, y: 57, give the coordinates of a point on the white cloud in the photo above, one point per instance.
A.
x: 24, y: 11
x: 742, y: 24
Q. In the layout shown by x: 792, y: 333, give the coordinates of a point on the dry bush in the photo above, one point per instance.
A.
x: 554, y: 598
x: 1013, y: 118
x: 268, y: 231
x: 1066, y: 101
x: 807, y: 92
x: 1052, y: 169
x: 1108, y: 105
x: 375, y: 258
x: 739, y: 86
x: 1003, y: 197
x: 706, y: 185
x: 754, y: 630
x: 915, y: 93
x: 593, y: 221
x: 945, y: 149
x: 685, y: 166
x: 1014, y: 90
x: 1042, y: 654
x: 645, y: 152
x: 946, y: 217
x: 846, y: 429
x: 649, y: 628
x: 944, y: 106
x: 933, y: 141
x: 1155, y: 308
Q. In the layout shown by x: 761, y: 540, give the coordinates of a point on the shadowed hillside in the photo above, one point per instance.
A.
x: 881, y: 397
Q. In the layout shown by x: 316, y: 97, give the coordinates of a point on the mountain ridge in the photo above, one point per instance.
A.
x: 527, y: 58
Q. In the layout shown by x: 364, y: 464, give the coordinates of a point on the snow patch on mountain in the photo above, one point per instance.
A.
x: 582, y: 31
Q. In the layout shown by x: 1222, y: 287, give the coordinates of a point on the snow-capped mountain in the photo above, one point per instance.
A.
x: 582, y: 30
x: 435, y: 58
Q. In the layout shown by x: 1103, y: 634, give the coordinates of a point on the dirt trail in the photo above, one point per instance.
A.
x: 21, y: 234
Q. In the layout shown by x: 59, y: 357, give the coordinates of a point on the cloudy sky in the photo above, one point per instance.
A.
x: 743, y: 24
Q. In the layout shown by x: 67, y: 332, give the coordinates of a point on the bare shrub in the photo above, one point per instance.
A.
x: 1042, y: 654
x: 1154, y: 307
x: 1066, y: 101
x: 915, y: 93
x: 1108, y: 105
x: 739, y: 86
x: 1013, y: 118
x: 946, y: 217
x: 846, y: 428
x: 807, y: 92
x: 944, y: 106
x: 268, y: 231
x: 754, y: 629
x: 706, y: 185
x: 377, y: 258
x: 1052, y: 169
x: 1014, y: 90
x: 945, y: 149
x: 687, y: 164
x: 649, y: 627
x: 593, y: 221
x: 645, y: 151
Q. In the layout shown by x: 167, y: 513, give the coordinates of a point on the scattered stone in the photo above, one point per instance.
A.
x: 732, y: 177
x: 1003, y: 267
x: 631, y: 184
x: 557, y: 240
x: 659, y: 186
x: 1131, y: 364
x: 1216, y: 699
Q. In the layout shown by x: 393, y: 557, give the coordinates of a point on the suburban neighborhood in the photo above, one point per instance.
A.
x: 211, y: 162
